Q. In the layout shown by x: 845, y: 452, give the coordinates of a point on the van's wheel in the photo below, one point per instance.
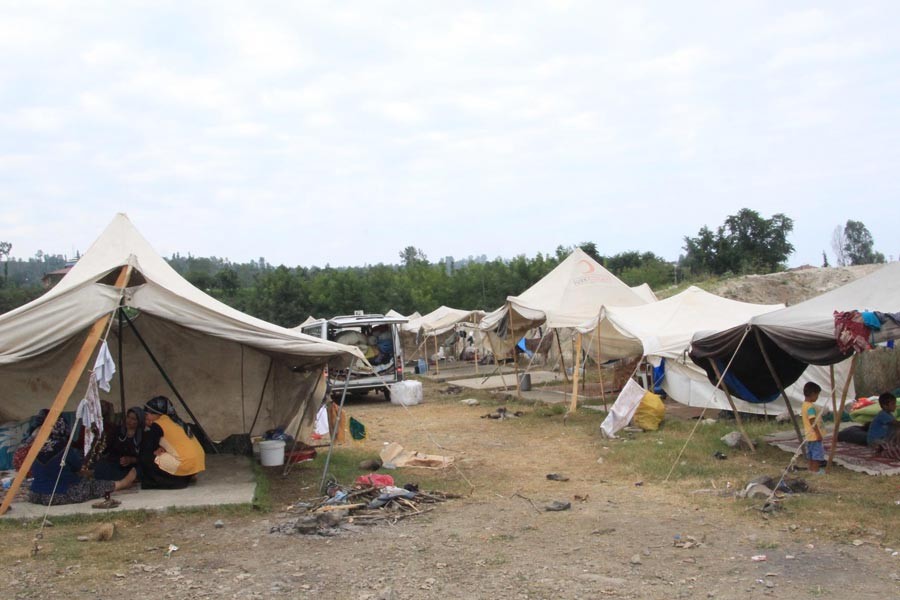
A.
x: 387, y: 394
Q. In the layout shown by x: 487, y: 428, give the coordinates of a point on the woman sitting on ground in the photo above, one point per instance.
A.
x: 56, y: 467
x: 123, y: 448
x: 170, y: 453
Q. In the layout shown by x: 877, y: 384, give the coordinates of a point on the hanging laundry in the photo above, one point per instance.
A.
x: 851, y: 332
x: 104, y: 367
x: 91, y: 414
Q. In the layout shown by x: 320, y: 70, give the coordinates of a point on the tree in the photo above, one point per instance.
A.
x: 745, y: 243
x: 824, y: 259
x: 838, y: 241
x: 412, y: 256
x: 5, y: 249
x: 858, y: 244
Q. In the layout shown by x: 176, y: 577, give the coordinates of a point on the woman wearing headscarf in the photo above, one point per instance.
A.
x: 56, y: 473
x: 123, y: 447
x: 170, y: 453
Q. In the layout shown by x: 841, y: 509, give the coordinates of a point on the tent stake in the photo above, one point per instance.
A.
x: 837, y: 417
x: 165, y: 375
x: 65, y: 391
x: 737, y: 415
x: 777, y: 381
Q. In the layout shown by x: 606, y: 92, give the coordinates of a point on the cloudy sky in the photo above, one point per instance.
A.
x: 340, y: 132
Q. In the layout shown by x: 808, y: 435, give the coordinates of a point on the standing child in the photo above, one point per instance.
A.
x: 815, y: 451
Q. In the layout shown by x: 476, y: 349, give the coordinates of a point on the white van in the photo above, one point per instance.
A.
x: 377, y: 337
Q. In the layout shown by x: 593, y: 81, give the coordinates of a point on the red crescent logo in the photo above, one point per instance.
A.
x: 589, y: 267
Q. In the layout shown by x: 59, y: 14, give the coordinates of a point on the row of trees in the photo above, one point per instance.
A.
x: 744, y: 243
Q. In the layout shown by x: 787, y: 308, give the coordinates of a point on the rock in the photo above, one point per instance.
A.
x: 470, y: 402
x: 755, y: 490
x: 370, y: 464
x: 733, y: 439
x: 105, y: 532
x: 636, y: 559
x: 83, y: 538
x: 219, y: 524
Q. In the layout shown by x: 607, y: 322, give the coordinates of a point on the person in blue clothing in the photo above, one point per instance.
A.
x: 55, y: 467
x: 884, y: 429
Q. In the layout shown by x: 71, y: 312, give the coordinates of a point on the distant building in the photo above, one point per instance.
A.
x: 53, y: 277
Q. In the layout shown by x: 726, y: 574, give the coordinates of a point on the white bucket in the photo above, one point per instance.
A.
x: 271, y: 453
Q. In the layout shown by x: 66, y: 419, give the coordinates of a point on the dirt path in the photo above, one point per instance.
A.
x: 495, y: 543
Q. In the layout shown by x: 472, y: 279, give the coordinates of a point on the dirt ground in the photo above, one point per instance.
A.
x: 495, y: 542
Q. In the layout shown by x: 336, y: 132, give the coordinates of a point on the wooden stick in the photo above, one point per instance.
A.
x: 562, y: 362
x: 737, y: 415
x: 833, y: 391
x: 515, y: 353
x: 333, y: 507
x: 600, y: 370
x: 777, y: 381
x: 837, y: 417
x: 574, y: 404
x: 65, y: 391
x: 437, y: 358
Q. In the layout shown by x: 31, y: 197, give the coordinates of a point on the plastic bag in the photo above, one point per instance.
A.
x: 650, y: 413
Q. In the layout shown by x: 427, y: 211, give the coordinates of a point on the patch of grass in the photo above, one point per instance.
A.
x: 766, y: 545
x: 550, y: 410
x: 262, y: 496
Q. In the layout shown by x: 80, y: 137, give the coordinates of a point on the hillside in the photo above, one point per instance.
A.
x: 789, y: 287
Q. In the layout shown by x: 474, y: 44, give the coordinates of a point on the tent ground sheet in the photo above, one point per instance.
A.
x: 228, y: 479
x: 504, y: 381
x: 851, y: 456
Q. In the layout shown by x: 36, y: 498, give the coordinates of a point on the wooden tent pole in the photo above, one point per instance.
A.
x: 474, y: 344
x: 437, y: 358
x: 515, y: 353
x: 840, y: 413
x: 600, y: 371
x: 496, y: 362
x: 65, y: 391
x: 562, y: 361
x: 833, y: 391
x: 574, y: 404
x: 777, y: 381
x: 737, y: 415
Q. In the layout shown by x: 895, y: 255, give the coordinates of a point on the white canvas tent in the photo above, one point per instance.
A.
x: 237, y: 373
x: 437, y: 324
x: 567, y: 296
x: 800, y: 335
x: 664, y: 329
x: 645, y: 292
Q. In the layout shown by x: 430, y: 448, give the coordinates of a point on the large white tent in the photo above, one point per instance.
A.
x: 438, y: 324
x: 798, y: 336
x: 567, y: 296
x: 237, y: 373
x: 664, y: 329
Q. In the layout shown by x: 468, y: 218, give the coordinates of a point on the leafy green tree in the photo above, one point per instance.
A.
x: 858, y: 245
x: 5, y: 249
x: 745, y: 243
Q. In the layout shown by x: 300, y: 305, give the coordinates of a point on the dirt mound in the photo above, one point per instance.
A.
x: 789, y: 287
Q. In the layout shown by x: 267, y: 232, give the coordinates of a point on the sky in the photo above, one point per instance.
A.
x: 314, y: 133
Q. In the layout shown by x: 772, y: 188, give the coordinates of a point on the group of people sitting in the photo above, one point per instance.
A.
x: 152, y: 446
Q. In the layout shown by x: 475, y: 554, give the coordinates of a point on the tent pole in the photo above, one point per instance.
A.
x: 833, y: 391
x: 515, y: 354
x: 496, y: 363
x: 562, y: 361
x: 262, y: 395
x: 287, y: 465
x: 169, y: 381
x: 837, y: 417
x: 737, y: 415
x: 121, y: 364
x: 574, y: 405
x: 334, y: 429
x: 777, y: 380
x: 65, y: 391
x: 437, y: 358
x: 600, y: 372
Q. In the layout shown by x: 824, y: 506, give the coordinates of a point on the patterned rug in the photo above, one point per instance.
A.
x: 851, y: 456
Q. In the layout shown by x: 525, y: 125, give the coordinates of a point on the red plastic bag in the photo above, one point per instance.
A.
x: 374, y: 480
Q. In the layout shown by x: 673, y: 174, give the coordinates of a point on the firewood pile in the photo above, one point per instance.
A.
x: 346, y: 509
